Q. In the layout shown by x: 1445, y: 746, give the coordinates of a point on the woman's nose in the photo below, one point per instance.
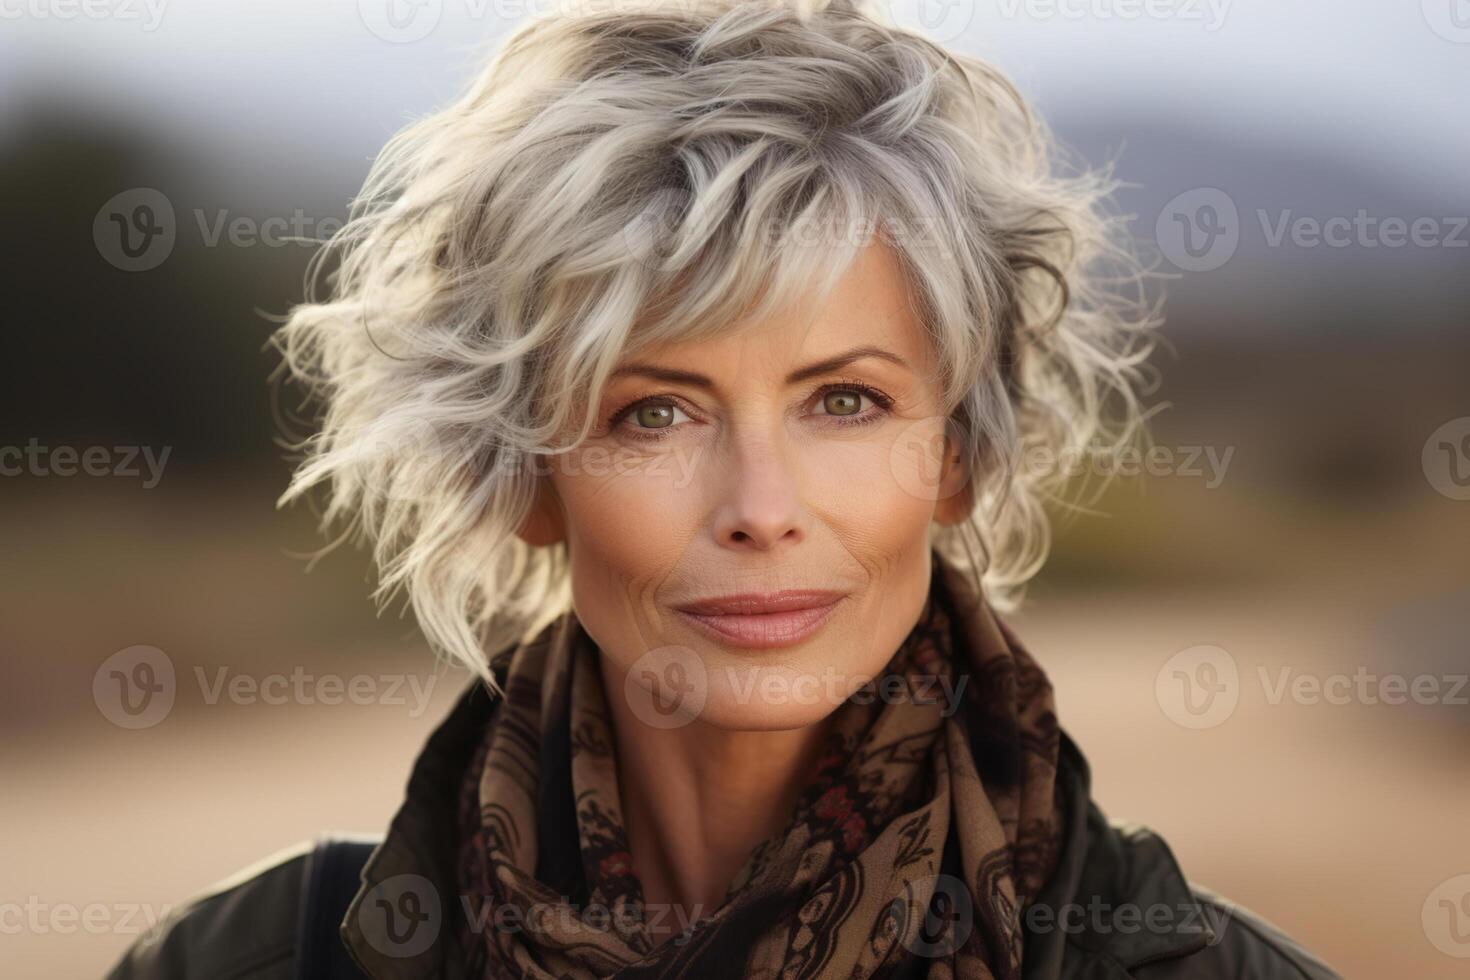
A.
x: 760, y: 502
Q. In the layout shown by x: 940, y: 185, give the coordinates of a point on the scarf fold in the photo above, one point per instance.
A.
x: 916, y: 843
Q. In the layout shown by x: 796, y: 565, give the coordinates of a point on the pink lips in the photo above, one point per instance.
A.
x: 762, y: 620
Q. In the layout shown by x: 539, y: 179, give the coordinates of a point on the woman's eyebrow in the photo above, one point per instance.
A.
x: 697, y: 380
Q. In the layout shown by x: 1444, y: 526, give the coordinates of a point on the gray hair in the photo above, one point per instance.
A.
x: 660, y: 172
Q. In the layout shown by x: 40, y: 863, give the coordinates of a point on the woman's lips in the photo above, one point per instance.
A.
x: 762, y: 620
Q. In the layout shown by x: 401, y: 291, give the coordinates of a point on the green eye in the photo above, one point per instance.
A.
x: 845, y: 402
x: 654, y: 416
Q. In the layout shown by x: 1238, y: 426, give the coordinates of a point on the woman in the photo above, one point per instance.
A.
x: 691, y: 375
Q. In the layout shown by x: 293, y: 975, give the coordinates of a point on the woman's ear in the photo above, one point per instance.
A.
x: 544, y: 523
x: 955, y: 498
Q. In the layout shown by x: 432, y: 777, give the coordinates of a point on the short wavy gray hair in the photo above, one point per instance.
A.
x: 639, y: 173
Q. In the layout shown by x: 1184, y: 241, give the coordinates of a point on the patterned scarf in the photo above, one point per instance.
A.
x: 916, y: 843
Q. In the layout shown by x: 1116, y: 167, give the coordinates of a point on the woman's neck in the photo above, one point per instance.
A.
x: 696, y: 801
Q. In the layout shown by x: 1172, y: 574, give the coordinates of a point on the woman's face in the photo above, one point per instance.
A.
x: 748, y: 526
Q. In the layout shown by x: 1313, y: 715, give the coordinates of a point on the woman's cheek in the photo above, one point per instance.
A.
x: 630, y: 509
x: 629, y: 519
x: 855, y: 486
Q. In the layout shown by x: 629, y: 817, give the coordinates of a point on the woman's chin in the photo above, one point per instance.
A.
x: 780, y: 695
x: 735, y: 715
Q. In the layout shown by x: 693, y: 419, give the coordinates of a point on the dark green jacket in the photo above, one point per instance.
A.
x: 1117, y: 907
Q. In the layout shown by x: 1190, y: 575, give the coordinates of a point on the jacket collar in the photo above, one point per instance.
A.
x: 1116, y: 893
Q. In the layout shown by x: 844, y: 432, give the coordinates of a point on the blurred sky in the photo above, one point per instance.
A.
x: 1370, y: 83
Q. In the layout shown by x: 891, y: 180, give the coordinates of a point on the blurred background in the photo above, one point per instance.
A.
x: 1273, y: 609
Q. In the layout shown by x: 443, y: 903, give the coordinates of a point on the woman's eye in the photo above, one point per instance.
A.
x: 657, y: 415
x: 842, y: 401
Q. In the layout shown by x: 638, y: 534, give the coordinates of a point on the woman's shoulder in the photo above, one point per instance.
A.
x: 275, y: 919
x: 1118, y: 895
x: 243, y: 926
x: 1248, y: 945
x: 1129, y: 902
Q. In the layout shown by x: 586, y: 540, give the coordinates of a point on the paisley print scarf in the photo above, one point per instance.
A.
x: 918, y: 839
